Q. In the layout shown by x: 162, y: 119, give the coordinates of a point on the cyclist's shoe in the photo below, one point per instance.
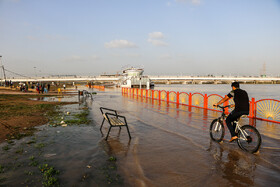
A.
x: 233, y: 138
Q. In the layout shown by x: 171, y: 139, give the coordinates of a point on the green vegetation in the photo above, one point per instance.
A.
x: 29, y: 173
x: 1, y: 169
x: 39, y: 145
x: 19, y: 151
x: 112, y: 159
x: 74, y: 119
x: 6, y: 148
x: 49, y: 175
x: 33, y: 161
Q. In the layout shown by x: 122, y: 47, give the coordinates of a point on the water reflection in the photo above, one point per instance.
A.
x: 237, y: 168
x: 114, y: 146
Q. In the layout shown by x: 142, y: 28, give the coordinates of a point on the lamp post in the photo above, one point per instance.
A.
x: 3, y: 71
x: 35, y: 72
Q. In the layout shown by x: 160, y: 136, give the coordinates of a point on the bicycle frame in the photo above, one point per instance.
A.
x: 237, y: 128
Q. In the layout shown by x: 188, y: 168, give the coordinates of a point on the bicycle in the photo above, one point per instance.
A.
x: 249, y: 138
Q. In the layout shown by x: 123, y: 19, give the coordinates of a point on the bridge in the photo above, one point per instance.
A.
x: 213, y: 79
x: 156, y: 79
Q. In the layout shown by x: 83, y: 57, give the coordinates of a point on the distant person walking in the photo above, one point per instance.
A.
x: 64, y: 86
x: 38, y: 88
x: 42, y: 88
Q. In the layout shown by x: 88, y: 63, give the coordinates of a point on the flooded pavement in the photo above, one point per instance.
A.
x: 170, y: 146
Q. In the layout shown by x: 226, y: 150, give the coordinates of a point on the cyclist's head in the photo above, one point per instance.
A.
x: 235, y: 84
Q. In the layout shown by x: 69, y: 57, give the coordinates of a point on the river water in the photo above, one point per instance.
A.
x: 258, y: 91
x: 170, y: 146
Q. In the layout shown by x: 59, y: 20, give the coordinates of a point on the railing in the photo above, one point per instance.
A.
x: 264, y: 109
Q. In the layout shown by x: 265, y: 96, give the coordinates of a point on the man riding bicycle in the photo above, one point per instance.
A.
x: 241, y: 100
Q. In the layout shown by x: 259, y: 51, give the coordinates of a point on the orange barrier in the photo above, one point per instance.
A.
x: 264, y: 109
x: 96, y: 86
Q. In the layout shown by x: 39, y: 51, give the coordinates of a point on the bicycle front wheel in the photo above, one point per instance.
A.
x: 249, y: 139
x: 217, y: 130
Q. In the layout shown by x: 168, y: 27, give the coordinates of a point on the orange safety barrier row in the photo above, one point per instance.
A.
x: 264, y: 109
x: 96, y: 86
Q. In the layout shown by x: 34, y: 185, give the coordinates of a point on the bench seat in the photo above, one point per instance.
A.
x: 114, y: 119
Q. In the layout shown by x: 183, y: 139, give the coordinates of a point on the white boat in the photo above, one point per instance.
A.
x: 133, y: 78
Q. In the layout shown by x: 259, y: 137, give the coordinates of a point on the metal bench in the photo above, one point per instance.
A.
x: 113, y: 119
x: 85, y: 93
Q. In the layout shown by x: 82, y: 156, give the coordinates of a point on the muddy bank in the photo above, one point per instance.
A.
x: 20, y: 114
x: 68, y: 150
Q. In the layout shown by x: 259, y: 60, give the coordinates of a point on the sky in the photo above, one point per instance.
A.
x: 166, y: 37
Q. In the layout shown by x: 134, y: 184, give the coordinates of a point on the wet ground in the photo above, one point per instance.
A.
x: 170, y: 146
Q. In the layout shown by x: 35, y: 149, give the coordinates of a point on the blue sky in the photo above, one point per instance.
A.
x: 167, y: 37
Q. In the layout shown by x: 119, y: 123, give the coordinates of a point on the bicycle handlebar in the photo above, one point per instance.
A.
x: 222, y: 107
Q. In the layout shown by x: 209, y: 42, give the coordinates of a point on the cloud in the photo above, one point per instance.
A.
x: 120, y: 44
x: 156, y: 38
x: 157, y: 42
x: 194, y: 2
x: 156, y: 35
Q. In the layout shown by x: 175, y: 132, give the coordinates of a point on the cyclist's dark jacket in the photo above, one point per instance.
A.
x: 241, y: 100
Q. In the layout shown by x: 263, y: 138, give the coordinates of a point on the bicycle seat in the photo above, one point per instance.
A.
x: 243, y: 116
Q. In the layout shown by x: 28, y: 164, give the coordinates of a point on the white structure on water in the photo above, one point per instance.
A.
x: 133, y: 78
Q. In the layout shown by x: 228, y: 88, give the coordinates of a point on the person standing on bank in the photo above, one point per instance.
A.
x: 242, y: 106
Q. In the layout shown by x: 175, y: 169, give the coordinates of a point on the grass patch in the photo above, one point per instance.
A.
x: 5, y: 148
x: 2, y: 179
x: 39, y: 145
x: 19, y: 151
x: 50, y: 175
x: 80, y: 118
x: 1, y: 169
x: 33, y: 161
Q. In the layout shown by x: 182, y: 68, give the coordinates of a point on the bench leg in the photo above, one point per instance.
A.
x: 128, y: 132
x: 102, y: 124
x: 108, y: 133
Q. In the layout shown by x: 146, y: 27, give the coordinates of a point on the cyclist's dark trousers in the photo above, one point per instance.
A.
x: 233, y: 116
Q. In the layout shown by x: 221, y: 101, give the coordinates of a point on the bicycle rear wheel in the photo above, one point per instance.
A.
x: 249, y: 139
x: 217, y: 130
